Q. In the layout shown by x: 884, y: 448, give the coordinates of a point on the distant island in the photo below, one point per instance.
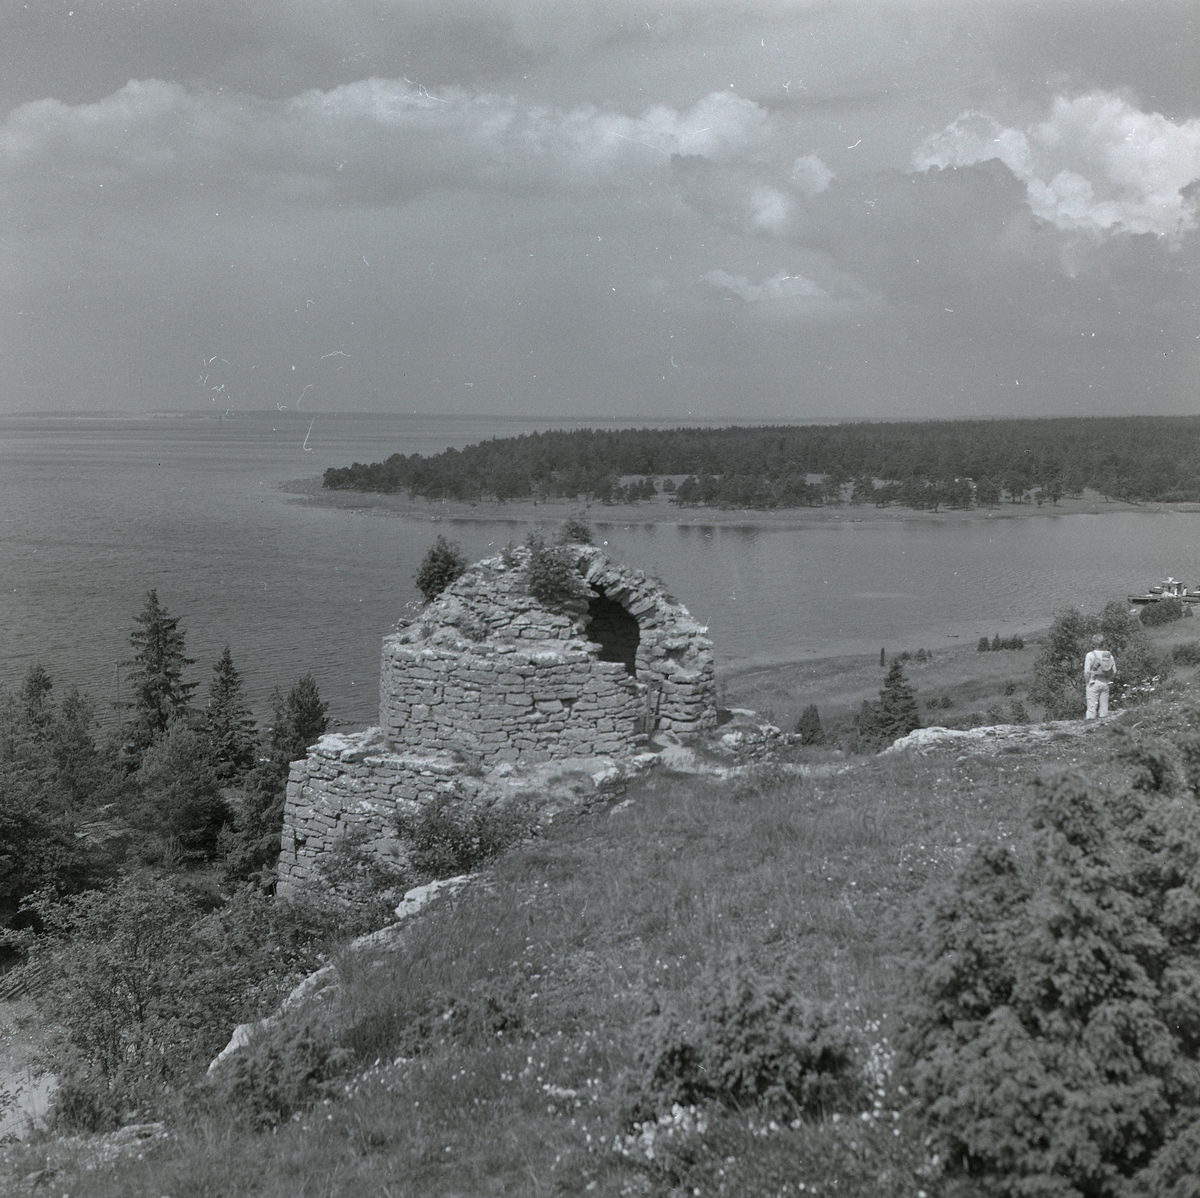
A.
x: 923, y: 465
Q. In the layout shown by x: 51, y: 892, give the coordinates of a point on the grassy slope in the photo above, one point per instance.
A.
x: 973, y: 681
x: 536, y: 984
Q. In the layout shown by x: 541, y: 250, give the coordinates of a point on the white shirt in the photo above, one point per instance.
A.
x: 1099, y: 666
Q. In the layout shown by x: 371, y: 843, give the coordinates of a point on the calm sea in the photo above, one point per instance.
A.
x: 95, y: 512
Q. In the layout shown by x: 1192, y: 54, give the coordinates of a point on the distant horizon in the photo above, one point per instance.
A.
x: 541, y: 418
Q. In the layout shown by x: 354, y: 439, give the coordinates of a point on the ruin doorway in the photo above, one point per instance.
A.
x: 614, y: 630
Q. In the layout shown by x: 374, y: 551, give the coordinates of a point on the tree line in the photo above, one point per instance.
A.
x: 179, y: 783
x: 925, y: 464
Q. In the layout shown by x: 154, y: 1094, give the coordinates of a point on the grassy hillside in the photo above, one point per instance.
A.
x: 510, y: 1046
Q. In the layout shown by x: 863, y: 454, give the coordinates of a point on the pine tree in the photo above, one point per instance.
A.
x: 160, y: 694
x: 228, y: 724
x: 897, y: 713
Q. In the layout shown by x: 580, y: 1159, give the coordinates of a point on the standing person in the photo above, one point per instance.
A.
x: 1099, y: 669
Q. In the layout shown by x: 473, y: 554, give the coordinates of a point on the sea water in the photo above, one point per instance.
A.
x: 96, y: 512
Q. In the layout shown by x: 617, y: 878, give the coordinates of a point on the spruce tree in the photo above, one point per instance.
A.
x: 300, y: 719
x: 897, y: 713
x: 159, y: 692
x: 808, y: 727
x: 442, y: 564
x: 228, y: 725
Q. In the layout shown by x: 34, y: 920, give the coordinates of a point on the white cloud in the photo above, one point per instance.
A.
x: 779, y: 287
x: 811, y: 175
x: 384, y: 130
x: 1097, y: 165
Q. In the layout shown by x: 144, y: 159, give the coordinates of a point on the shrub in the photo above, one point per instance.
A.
x: 455, y: 838
x: 575, y: 532
x: 1187, y: 655
x: 1162, y: 611
x: 442, y: 564
x: 144, y: 986
x: 356, y: 873
x: 552, y: 578
x: 1058, y: 667
x: 983, y: 645
x: 808, y: 726
x: 285, y: 1068
x: 1053, y: 1040
x: 758, y: 1042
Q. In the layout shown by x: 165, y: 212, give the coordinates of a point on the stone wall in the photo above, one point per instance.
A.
x: 508, y: 703
x: 487, y: 670
x: 356, y: 785
x: 486, y: 675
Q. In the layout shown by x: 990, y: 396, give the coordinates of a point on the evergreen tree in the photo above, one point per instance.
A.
x: 808, y: 727
x: 50, y: 773
x: 300, y: 719
x: 228, y: 724
x: 35, y: 697
x: 439, y: 568
x: 897, y: 713
x: 181, y: 797
x: 160, y: 694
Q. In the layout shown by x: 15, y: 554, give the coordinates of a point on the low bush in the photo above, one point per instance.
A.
x: 552, y: 578
x: 451, y: 839
x: 1187, y: 655
x: 758, y: 1042
x: 144, y: 983
x: 575, y: 532
x: 1054, y: 1037
x: 285, y: 1068
x: 354, y: 871
x: 1162, y: 611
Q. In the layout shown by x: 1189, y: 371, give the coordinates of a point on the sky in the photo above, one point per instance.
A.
x: 724, y: 210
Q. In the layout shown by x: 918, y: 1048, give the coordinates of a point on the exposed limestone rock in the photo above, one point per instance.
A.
x: 324, y: 984
x: 993, y: 737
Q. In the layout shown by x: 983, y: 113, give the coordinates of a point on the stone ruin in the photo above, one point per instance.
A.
x: 488, y: 692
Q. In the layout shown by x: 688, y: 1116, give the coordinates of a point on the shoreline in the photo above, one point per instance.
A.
x: 661, y: 511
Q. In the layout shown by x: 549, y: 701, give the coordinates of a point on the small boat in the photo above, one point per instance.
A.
x: 1169, y: 588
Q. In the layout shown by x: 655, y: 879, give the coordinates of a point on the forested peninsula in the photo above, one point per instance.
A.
x: 921, y: 465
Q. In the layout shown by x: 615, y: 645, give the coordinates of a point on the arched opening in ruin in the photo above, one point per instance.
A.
x: 614, y: 630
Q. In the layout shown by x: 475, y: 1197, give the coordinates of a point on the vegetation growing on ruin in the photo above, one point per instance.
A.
x: 441, y: 565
